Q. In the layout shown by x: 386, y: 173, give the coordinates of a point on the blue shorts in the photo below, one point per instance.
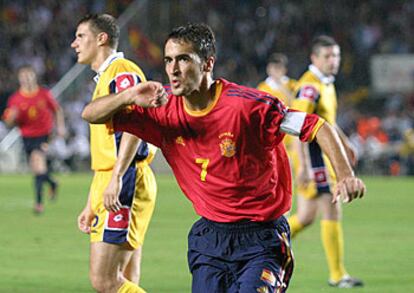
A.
x: 137, y: 196
x: 34, y: 143
x: 240, y: 257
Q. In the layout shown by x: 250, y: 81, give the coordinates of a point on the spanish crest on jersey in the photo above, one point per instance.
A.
x: 227, y: 145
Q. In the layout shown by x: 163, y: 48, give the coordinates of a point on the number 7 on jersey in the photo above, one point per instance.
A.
x: 204, y: 164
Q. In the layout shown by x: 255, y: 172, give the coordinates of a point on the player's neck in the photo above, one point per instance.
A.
x: 100, y: 58
x: 201, y: 99
x: 29, y: 90
x: 277, y: 78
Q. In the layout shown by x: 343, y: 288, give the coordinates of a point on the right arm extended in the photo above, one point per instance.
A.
x: 304, y: 173
x: 127, y: 150
x: 147, y: 94
x: 348, y: 186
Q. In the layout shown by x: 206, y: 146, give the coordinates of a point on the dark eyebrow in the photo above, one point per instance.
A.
x: 178, y: 56
x: 183, y: 55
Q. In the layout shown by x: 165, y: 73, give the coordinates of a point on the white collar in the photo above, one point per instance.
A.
x: 106, y: 64
x: 274, y: 84
x: 325, y: 79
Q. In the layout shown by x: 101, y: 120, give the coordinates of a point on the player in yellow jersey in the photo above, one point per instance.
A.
x: 314, y: 175
x: 279, y: 85
x: 122, y: 194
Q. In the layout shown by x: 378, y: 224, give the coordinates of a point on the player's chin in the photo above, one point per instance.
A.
x: 82, y: 60
x: 177, y: 91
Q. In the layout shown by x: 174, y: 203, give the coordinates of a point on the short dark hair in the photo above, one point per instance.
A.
x: 278, y: 58
x: 322, y: 41
x: 199, y: 35
x: 103, y: 23
x: 26, y: 66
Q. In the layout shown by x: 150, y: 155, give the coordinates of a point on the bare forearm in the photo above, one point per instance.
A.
x: 146, y: 94
x: 330, y: 143
x: 88, y: 201
x: 102, y: 109
x: 128, y: 147
x: 60, y: 120
x: 342, y: 136
x: 303, y: 151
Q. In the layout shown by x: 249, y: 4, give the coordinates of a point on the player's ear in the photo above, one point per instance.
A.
x: 102, y: 38
x: 314, y: 57
x: 209, y: 64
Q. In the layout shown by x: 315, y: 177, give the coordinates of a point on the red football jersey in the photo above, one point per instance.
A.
x: 227, y: 159
x: 35, y: 112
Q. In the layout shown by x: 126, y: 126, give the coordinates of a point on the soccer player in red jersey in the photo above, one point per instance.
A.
x: 223, y: 142
x: 33, y: 109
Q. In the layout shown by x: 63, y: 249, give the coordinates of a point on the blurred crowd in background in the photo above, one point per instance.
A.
x: 247, y: 32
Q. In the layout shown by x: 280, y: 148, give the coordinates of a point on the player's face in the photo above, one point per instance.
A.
x: 327, y: 60
x: 183, y: 66
x: 276, y: 71
x: 27, y: 77
x: 85, y: 44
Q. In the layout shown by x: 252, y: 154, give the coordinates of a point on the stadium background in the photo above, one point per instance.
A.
x: 376, y: 96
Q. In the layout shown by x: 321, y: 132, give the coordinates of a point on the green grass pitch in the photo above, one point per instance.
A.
x: 46, y: 253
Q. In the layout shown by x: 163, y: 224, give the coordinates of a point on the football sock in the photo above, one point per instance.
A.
x: 38, y: 180
x: 129, y: 287
x: 333, y: 243
x: 295, y: 225
x: 49, y: 179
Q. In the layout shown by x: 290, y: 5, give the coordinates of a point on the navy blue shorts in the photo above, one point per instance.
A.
x: 34, y: 143
x: 240, y: 257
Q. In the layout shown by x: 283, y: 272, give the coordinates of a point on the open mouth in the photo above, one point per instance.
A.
x: 175, y: 83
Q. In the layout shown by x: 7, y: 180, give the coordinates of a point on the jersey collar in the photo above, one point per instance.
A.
x: 274, y: 84
x: 323, y: 78
x: 111, y: 58
x: 204, y: 112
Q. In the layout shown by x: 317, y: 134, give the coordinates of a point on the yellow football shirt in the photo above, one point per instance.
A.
x: 281, y: 90
x: 115, y: 75
x: 316, y: 94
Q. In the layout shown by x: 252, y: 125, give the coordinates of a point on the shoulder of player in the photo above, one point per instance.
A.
x: 249, y: 97
x: 118, y: 62
x: 230, y: 89
x: 45, y: 90
x: 291, y: 83
x: 309, y: 77
x: 14, y: 96
x: 308, y: 80
x: 262, y: 85
x: 122, y: 65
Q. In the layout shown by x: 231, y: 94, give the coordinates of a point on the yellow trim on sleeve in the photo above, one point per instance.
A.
x: 315, y: 130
